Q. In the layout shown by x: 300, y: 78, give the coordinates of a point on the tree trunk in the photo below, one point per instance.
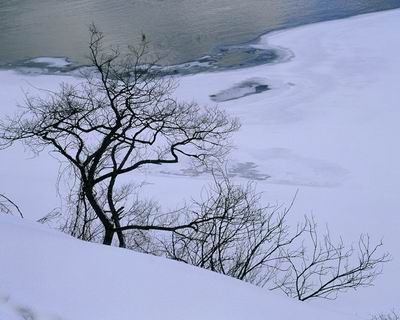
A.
x: 108, y: 237
x: 121, y: 239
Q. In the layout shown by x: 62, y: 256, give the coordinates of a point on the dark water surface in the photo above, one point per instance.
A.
x: 179, y: 30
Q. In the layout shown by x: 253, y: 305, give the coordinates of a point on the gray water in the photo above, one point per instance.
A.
x: 178, y: 30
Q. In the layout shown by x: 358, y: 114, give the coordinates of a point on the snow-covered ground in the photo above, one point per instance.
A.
x: 328, y: 127
x: 46, y: 275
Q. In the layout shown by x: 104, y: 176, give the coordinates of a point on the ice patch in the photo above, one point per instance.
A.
x: 285, y: 167
x: 51, y: 62
x: 248, y: 170
x: 240, y: 90
x: 230, y: 58
x: 43, y: 66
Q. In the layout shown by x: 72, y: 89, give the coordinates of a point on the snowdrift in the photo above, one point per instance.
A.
x: 47, y: 275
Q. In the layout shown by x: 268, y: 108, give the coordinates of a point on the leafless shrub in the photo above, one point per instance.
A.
x: 237, y: 236
x: 387, y: 316
x: 53, y: 218
x: 325, y: 268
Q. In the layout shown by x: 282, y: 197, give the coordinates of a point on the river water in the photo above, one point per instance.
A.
x: 178, y: 30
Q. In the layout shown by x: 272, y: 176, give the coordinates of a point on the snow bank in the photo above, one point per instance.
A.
x: 50, y: 61
x: 328, y: 127
x: 48, y: 275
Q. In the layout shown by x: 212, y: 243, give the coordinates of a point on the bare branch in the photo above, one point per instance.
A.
x: 5, y: 204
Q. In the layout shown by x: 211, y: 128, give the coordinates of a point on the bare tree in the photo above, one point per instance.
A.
x: 325, y: 268
x: 8, y: 206
x: 237, y: 236
x: 120, y: 118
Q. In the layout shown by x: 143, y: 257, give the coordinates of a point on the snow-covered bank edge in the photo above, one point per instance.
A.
x: 48, y: 275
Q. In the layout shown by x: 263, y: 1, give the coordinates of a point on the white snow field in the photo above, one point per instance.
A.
x: 328, y: 127
x: 46, y: 275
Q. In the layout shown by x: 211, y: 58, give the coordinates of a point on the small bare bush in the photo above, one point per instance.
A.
x: 387, y: 316
x: 237, y: 237
x: 324, y: 268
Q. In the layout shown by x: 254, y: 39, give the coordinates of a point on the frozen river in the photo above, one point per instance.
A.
x: 179, y: 30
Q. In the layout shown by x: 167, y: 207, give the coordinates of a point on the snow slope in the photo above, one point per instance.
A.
x: 328, y: 127
x: 48, y: 275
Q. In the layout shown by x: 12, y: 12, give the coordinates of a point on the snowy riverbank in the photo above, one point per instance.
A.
x: 328, y: 127
x: 46, y: 275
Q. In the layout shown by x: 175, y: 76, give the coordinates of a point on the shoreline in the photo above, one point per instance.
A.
x: 208, y: 63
